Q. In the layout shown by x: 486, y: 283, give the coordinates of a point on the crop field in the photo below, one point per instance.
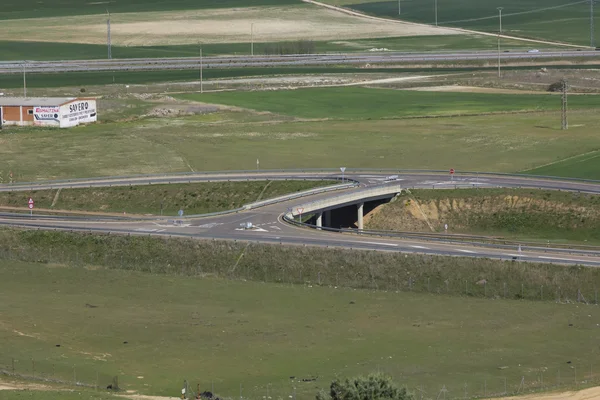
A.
x: 156, y: 331
x: 223, y: 25
x: 584, y: 165
x: 554, y: 20
x: 193, y: 198
x: 364, y: 103
x: 17, y: 50
x: 372, y: 134
x: 15, y: 9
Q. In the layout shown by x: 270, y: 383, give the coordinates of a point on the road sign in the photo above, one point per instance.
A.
x: 451, y: 171
x: 343, y: 169
x: 180, y: 213
x: 30, y: 203
x: 300, y: 210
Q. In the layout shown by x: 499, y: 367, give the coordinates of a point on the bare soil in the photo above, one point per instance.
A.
x: 231, y: 25
x: 586, y: 394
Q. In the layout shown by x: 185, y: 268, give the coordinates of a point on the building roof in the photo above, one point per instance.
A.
x: 35, y: 101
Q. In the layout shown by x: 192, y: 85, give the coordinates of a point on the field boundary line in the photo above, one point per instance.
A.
x: 562, y: 160
x: 462, y: 30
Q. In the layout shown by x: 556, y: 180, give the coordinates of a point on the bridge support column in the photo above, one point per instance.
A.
x: 328, y: 219
x: 360, y: 215
x: 319, y: 221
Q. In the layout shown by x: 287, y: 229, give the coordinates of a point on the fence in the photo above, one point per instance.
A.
x: 57, y: 370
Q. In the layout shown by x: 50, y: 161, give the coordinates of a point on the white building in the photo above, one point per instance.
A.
x: 63, y: 112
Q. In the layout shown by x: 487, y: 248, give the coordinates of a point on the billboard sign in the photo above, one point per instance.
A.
x: 78, y: 112
x: 46, y: 115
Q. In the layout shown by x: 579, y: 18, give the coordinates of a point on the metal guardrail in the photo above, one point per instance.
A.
x: 333, y: 171
x: 449, y: 239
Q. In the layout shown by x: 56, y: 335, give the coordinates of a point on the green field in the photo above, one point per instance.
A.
x: 15, y: 9
x: 554, y: 20
x: 54, y: 395
x: 16, y: 50
x: 585, y: 165
x: 364, y: 103
x: 193, y: 198
x: 226, y: 334
x: 229, y: 140
x: 517, y: 214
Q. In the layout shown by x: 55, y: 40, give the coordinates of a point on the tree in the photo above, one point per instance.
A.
x: 373, y: 387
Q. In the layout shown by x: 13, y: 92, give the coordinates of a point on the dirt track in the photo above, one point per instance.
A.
x: 587, y: 394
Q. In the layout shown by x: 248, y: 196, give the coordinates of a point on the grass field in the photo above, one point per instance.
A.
x: 193, y: 198
x: 557, y: 20
x: 234, y: 140
x: 53, y: 395
x: 228, y: 333
x: 519, y: 214
x: 585, y: 165
x: 14, y: 9
x: 365, y: 103
x: 18, y: 50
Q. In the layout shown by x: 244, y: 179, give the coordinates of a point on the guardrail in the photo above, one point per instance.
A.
x: 591, y: 251
x: 334, y: 171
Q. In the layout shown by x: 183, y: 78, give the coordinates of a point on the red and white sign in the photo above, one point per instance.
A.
x: 30, y: 203
x: 451, y: 171
x: 300, y: 210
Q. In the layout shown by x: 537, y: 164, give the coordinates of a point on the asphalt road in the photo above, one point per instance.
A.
x: 269, y: 226
x: 142, y: 64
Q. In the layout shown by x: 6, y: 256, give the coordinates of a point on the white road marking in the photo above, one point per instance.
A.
x: 149, y: 230
x: 514, y: 255
x: 382, y: 244
x: 275, y: 227
x: 420, y: 247
x: 557, y: 258
x: 466, y: 251
x: 208, y: 226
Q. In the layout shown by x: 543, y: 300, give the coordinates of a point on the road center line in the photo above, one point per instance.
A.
x: 466, y: 251
x: 420, y: 247
x: 382, y: 244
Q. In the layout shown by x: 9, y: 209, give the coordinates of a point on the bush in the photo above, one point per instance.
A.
x: 373, y: 387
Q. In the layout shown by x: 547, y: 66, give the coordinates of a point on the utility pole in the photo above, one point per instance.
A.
x: 500, y: 15
x: 436, y: 14
x: 592, y: 33
x: 252, y: 39
x: 499, y: 73
x: 565, y: 122
x: 24, y: 82
x: 201, y: 67
x: 108, y: 40
x: 499, y: 33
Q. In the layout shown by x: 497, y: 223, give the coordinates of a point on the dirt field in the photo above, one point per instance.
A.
x: 213, y: 26
x: 587, y: 394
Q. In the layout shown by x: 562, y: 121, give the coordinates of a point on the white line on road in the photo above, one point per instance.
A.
x: 557, y: 258
x: 420, y: 247
x: 466, y: 251
x: 382, y: 244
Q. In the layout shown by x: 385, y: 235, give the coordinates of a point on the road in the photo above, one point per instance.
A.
x: 145, y: 64
x: 270, y: 228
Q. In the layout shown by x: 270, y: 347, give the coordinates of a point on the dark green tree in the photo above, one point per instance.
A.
x: 372, y: 387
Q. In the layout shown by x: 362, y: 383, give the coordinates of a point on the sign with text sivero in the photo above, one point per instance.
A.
x: 46, y: 116
x: 78, y: 112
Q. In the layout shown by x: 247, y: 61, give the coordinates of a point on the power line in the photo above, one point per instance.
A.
x: 565, y: 87
x: 518, y: 13
x: 108, y: 40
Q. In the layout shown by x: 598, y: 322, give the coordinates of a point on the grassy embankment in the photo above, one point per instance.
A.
x: 554, y: 20
x: 510, y: 213
x: 193, y: 324
x: 193, y: 198
x: 370, y: 121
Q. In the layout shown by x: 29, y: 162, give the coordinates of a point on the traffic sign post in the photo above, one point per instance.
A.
x: 300, y: 211
x: 451, y: 174
x: 343, y: 169
x: 30, y: 204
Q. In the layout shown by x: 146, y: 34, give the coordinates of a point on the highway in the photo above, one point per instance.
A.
x: 143, y: 64
x: 269, y: 226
